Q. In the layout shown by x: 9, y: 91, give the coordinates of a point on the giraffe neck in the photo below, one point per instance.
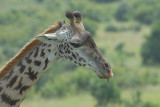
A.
x: 15, y: 84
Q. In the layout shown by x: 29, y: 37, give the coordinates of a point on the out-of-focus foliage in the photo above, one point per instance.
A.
x: 90, y: 25
x: 123, y: 12
x: 137, y: 101
x: 103, y: 1
x: 144, y: 14
x: 147, y: 11
x: 104, y: 92
x: 150, y: 49
x: 113, y: 28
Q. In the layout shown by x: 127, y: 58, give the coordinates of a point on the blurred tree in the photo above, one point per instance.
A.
x: 93, y: 14
x: 150, y: 49
x: 59, y: 86
x: 149, y: 104
x: 123, y: 12
x: 137, y: 101
x: 9, y: 17
x: 90, y: 25
x: 144, y: 14
x: 39, y: 1
x: 102, y: 1
x: 81, y: 78
x: 53, y: 71
x: 104, y: 92
x: 119, y: 48
x: 149, y: 77
x: 137, y: 98
x: 111, y: 28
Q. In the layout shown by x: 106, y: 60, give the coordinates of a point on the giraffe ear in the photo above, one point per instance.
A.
x: 47, y: 38
x: 50, y: 38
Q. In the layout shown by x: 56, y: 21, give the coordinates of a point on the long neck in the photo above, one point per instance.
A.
x: 15, y: 84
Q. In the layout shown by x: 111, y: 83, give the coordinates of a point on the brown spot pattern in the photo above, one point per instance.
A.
x: 42, y: 53
x: 37, y: 63
x: 12, y: 81
x: 36, y: 53
x: 19, y: 84
x: 32, y: 75
x: 1, y: 89
x: 24, y: 88
x: 8, y: 75
x: 46, y: 63
x: 7, y: 99
x: 22, y: 67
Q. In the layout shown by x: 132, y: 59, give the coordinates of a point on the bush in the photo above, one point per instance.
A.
x: 81, y: 78
x: 137, y: 101
x: 93, y: 14
x: 123, y: 12
x: 66, y: 83
x: 104, y: 92
x: 90, y: 26
x: 150, y: 49
x: 149, y: 104
x: 111, y: 28
x: 119, y: 48
x: 150, y: 77
x: 144, y: 14
x: 102, y: 1
x: 136, y: 28
x: 59, y: 87
x: 40, y: 1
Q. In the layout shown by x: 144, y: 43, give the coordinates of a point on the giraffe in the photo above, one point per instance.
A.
x: 70, y: 41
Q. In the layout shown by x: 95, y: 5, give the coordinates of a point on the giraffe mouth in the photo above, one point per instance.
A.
x: 107, y: 75
x: 102, y: 77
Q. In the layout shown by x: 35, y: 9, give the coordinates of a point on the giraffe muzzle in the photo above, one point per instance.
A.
x: 107, y: 74
x: 110, y: 73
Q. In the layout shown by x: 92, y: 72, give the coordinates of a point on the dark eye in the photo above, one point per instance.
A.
x: 76, y: 45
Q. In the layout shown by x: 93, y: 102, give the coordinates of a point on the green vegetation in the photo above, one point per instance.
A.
x: 123, y: 12
x: 127, y: 33
x: 105, y: 93
x: 150, y: 49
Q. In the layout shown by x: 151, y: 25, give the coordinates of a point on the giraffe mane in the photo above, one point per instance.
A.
x: 53, y: 28
x: 28, y: 47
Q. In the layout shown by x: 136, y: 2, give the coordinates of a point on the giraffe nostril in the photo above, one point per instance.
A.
x: 111, y: 73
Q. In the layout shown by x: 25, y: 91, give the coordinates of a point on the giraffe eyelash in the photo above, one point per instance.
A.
x: 76, y: 45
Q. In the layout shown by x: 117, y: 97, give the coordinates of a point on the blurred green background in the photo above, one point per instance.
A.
x: 126, y: 31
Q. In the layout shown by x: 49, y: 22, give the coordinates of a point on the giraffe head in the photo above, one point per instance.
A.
x: 73, y: 42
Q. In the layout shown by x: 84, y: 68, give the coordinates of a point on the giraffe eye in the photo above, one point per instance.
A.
x: 76, y: 45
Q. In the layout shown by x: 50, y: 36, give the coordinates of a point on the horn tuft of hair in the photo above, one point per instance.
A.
x: 77, y: 14
x: 59, y: 23
x: 69, y: 14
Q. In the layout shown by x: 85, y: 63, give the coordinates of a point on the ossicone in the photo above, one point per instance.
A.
x: 70, y: 16
x: 78, y: 17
